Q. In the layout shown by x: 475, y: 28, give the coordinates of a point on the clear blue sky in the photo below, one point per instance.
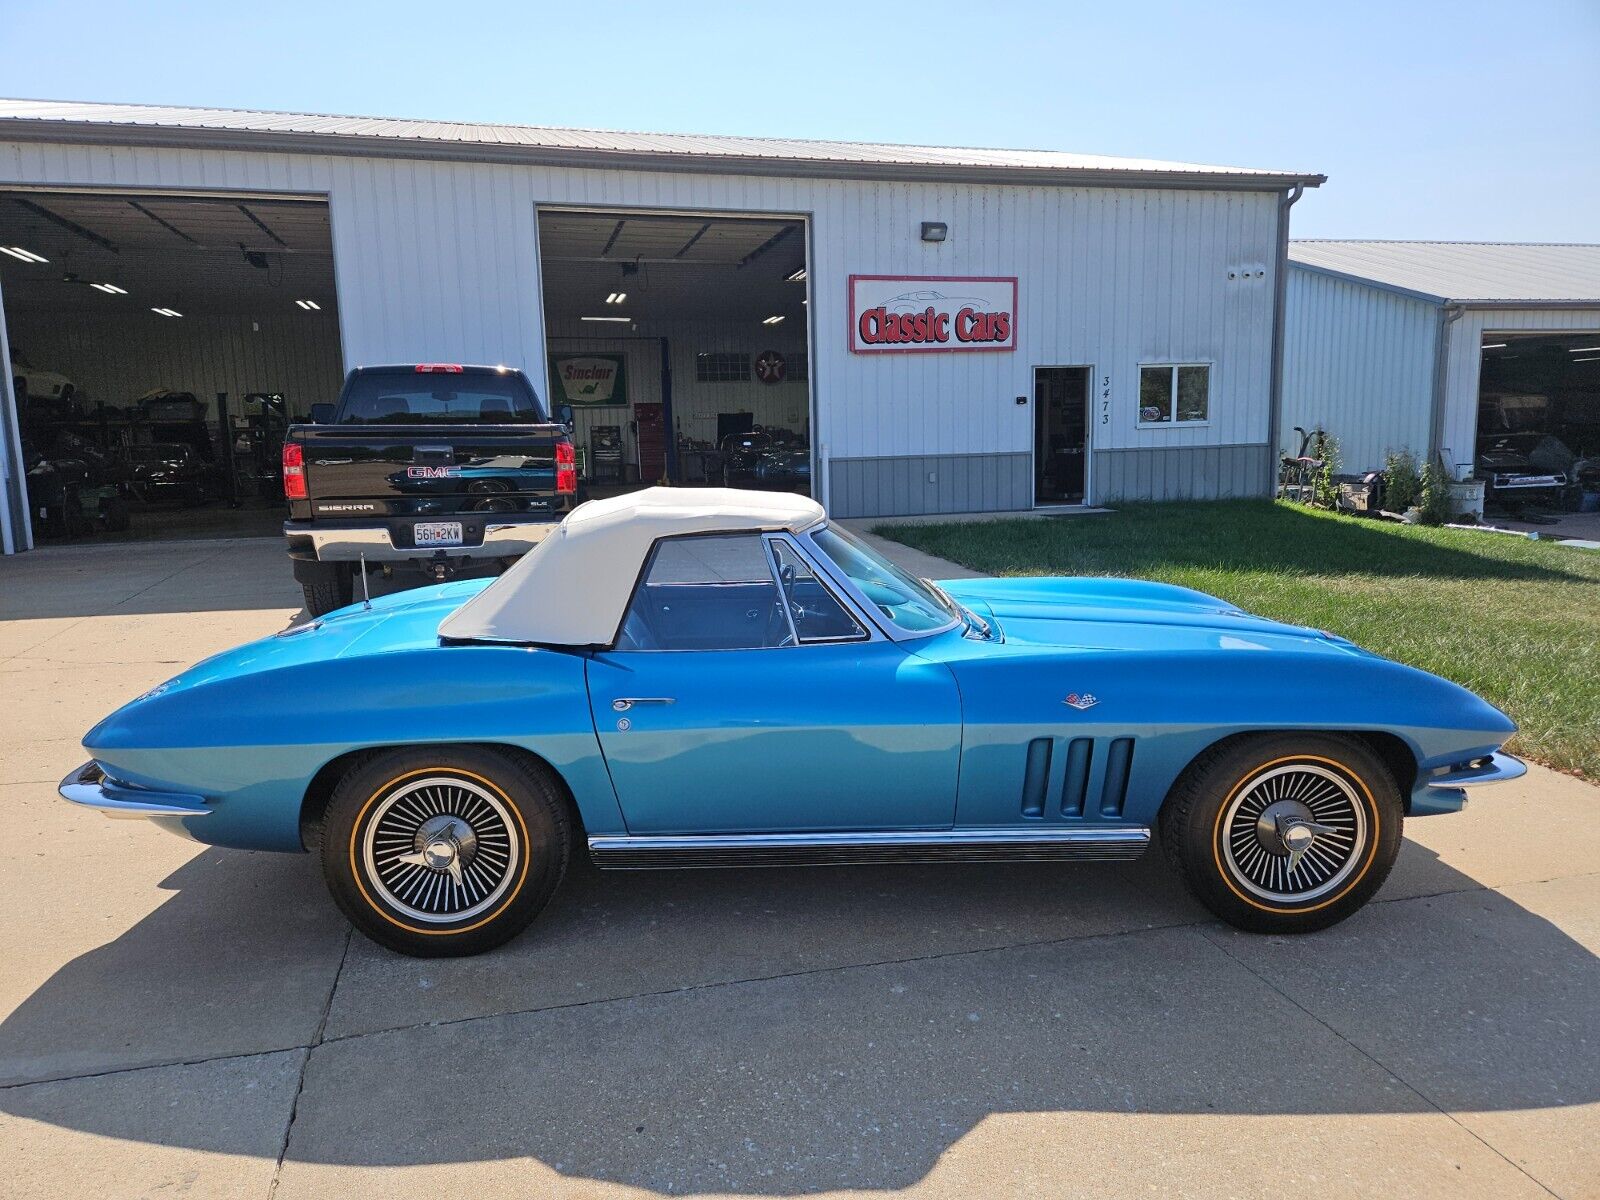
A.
x: 1432, y: 119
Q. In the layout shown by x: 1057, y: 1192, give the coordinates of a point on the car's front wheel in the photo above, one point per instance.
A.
x: 1284, y: 833
x: 447, y: 851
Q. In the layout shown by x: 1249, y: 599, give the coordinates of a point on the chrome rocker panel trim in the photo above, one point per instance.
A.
x: 614, y: 852
x: 499, y: 541
x: 1497, y: 768
x: 89, y: 787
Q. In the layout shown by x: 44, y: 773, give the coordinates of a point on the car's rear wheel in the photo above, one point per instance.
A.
x: 1284, y: 833
x: 442, y: 852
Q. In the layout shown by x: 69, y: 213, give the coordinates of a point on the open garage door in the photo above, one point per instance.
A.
x: 158, y: 346
x: 680, y: 340
x: 1538, y: 444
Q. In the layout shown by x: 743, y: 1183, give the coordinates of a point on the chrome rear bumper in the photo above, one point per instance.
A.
x: 375, y: 543
x: 89, y: 787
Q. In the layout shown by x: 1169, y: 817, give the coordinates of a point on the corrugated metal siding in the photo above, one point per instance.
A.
x: 440, y: 261
x: 1459, y: 436
x: 934, y: 483
x: 1194, y: 473
x: 199, y: 354
x: 1358, y: 362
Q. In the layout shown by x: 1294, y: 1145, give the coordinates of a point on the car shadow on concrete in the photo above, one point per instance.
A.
x: 786, y: 1031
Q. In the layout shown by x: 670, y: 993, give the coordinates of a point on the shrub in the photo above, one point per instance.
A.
x: 1435, y: 504
x: 1401, y: 482
x: 1325, y: 490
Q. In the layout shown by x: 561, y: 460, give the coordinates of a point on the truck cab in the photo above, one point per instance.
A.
x: 426, y: 469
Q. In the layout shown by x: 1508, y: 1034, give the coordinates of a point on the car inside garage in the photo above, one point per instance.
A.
x: 680, y: 341
x: 1538, y: 443
x: 158, y: 346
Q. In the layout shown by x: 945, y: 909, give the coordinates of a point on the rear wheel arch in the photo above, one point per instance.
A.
x: 319, y: 792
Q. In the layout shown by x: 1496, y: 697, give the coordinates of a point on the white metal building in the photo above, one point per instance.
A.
x: 961, y: 329
x: 1404, y: 345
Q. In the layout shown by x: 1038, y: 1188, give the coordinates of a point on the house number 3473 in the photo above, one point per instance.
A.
x: 1105, y: 399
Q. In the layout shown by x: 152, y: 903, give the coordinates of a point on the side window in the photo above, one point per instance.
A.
x: 817, y: 614
x: 711, y: 592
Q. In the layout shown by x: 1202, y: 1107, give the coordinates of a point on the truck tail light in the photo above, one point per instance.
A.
x: 439, y: 368
x: 566, y: 469
x: 294, y: 471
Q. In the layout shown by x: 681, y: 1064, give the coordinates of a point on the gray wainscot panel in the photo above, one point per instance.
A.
x: 933, y: 483
x: 1182, y: 473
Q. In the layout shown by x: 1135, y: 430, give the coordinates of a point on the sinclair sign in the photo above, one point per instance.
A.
x: 908, y: 314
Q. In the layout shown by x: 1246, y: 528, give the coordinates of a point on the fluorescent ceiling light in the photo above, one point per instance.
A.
x: 27, y: 256
x: 1583, y: 349
x: 309, y: 305
x: 109, y: 289
x: 616, y: 297
x: 167, y: 312
x: 772, y: 320
x: 1594, y: 359
x: 798, y: 276
x: 1494, y: 345
x: 624, y: 320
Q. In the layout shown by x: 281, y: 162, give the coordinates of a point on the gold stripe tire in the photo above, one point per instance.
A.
x: 1228, y: 828
x: 445, y: 851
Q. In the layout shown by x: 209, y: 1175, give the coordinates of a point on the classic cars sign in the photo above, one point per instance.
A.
x: 932, y: 313
x: 592, y: 380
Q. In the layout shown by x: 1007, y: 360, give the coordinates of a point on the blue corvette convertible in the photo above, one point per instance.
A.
x: 693, y: 678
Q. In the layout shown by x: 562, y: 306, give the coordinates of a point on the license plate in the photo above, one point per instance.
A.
x: 437, y: 533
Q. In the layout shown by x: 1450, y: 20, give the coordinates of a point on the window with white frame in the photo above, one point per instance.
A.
x: 1175, y: 394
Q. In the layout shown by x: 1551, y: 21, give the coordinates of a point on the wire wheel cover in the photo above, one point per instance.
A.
x: 1294, y: 832
x: 441, y: 848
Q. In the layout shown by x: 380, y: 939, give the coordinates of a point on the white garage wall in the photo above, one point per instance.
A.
x: 1358, y: 362
x: 440, y: 261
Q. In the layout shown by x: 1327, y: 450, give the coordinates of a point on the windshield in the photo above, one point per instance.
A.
x: 427, y: 397
x: 911, y: 603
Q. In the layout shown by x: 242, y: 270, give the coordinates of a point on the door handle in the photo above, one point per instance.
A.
x: 624, y: 703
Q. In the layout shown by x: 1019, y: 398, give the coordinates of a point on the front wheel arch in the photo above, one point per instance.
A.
x: 1396, y: 756
x: 319, y: 792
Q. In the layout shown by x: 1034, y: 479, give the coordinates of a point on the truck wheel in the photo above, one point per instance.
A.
x: 1284, y: 833
x: 443, y: 851
x: 326, y: 586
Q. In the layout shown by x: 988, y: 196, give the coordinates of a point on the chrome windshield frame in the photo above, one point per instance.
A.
x: 844, y: 584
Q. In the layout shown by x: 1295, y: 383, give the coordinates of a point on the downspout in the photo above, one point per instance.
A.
x: 1449, y: 314
x: 1280, y: 290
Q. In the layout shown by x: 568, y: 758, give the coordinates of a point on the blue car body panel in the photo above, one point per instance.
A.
x: 945, y: 731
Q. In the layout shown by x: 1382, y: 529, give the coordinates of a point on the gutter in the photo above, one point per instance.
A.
x: 1449, y: 314
x: 1280, y: 289
x: 103, y: 133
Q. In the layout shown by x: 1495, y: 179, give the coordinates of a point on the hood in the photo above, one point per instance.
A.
x: 1128, y: 614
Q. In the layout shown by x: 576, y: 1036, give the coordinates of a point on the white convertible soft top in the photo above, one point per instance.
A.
x: 572, y: 588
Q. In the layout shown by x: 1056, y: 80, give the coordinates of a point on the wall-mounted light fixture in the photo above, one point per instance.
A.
x: 935, y: 231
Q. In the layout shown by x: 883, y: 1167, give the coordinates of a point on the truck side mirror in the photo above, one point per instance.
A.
x: 322, y: 414
x: 564, y: 414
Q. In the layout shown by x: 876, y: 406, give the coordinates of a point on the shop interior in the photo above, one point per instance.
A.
x: 1538, y: 442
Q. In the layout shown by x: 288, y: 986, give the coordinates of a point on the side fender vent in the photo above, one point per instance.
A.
x: 1114, y: 791
x: 1036, y: 777
x: 1075, y: 783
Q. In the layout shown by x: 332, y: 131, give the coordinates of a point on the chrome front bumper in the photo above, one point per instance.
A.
x: 375, y: 544
x: 1496, y: 768
x: 89, y: 787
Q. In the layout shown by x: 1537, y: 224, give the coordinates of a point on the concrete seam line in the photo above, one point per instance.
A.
x: 305, y: 1063
x: 1379, y: 1063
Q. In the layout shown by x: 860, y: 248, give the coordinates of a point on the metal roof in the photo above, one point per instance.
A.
x: 1483, y: 274
x: 140, y: 124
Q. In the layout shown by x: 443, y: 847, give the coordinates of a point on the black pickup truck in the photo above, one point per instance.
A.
x: 435, y: 468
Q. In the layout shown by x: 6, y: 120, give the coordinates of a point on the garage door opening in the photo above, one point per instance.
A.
x: 679, y: 340
x: 1538, y: 444
x: 158, y: 346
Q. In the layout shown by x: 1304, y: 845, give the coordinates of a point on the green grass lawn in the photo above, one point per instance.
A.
x: 1516, y: 621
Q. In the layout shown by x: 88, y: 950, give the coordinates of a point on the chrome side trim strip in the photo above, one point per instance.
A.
x: 614, y: 851
x: 89, y: 787
x: 1497, y: 768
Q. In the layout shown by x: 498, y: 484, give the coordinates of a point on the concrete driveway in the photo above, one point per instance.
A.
x: 176, y: 1019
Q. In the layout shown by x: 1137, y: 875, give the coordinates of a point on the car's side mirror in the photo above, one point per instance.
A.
x: 322, y: 414
x: 564, y: 414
